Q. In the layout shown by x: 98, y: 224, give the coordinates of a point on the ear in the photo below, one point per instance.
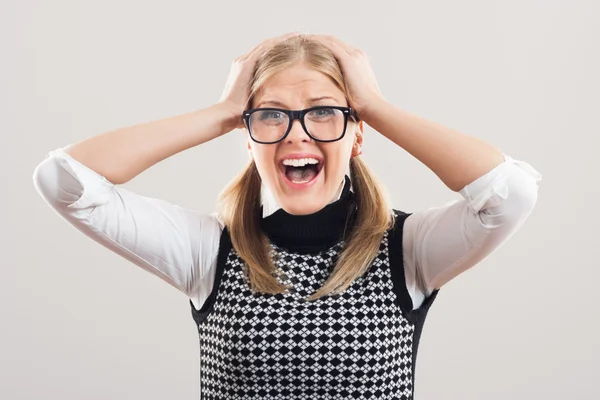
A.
x: 358, y: 141
x: 250, y: 150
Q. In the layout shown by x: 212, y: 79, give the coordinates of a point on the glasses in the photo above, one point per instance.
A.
x: 321, y: 123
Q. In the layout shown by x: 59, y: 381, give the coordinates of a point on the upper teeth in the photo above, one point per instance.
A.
x: 300, y: 162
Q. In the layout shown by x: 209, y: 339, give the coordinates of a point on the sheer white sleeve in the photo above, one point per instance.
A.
x: 440, y: 243
x: 178, y: 245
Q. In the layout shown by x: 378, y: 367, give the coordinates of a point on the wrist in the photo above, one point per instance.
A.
x: 370, y: 111
x: 231, y: 116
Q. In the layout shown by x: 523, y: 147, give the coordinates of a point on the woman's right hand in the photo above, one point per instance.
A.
x: 237, y: 91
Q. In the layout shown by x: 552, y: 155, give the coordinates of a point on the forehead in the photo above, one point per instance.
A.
x: 294, y: 87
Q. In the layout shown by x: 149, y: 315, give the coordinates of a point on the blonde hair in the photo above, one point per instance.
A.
x: 239, y: 202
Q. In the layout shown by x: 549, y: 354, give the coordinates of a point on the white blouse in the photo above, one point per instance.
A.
x: 180, y: 245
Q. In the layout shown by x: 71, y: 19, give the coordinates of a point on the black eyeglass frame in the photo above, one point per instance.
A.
x: 299, y: 114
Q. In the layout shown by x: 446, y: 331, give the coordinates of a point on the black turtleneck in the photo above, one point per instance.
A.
x: 315, y: 232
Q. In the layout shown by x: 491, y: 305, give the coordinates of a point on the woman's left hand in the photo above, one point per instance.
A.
x: 363, y: 91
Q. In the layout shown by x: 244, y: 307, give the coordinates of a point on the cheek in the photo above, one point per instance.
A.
x: 337, y: 158
x: 264, y: 157
x: 345, y: 149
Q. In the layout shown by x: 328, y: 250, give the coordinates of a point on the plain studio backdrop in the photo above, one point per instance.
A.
x: 79, y: 322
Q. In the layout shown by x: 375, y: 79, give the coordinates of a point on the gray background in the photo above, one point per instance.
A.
x: 79, y: 322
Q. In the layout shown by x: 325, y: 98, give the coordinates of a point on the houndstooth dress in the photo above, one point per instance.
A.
x: 361, y: 344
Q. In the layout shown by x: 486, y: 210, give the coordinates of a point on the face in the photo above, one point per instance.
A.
x: 297, y: 88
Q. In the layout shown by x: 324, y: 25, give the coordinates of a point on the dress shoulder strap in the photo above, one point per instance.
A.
x: 225, y: 246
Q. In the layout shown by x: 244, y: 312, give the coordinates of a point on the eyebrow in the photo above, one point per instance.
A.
x: 310, y: 101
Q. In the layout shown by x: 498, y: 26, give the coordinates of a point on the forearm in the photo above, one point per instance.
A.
x: 456, y: 158
x: 122, y: 154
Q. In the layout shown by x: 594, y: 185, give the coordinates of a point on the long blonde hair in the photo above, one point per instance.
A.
x: 239, y: 202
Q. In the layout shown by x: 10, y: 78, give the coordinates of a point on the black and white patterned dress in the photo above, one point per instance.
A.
x: 361, y: 344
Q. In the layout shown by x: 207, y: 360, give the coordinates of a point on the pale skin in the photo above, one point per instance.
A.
x: 457, y: 159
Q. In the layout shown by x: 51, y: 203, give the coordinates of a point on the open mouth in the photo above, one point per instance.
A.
x: 301, y: 171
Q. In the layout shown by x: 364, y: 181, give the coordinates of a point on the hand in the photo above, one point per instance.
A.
x: 237, y: 92
x: 363, y: 91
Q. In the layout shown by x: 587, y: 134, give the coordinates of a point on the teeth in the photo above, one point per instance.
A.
x: 300, y: 162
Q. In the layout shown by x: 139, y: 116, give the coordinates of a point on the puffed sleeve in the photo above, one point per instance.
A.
x: 440, y: 243
x: 176, y: 244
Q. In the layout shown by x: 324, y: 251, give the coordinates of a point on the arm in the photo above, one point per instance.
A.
x: 456, y: 158
x: 122, y: 154
x: 176, y: 244
x: 80, y: 182
x: 440, y: 243
x: 498, y: 193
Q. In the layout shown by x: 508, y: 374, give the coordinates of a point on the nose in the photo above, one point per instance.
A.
x: 297, y: 133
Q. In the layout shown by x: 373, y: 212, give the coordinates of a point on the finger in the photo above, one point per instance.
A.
x: 338, y: 52
x: 343, y: 44
x: 334, y: 42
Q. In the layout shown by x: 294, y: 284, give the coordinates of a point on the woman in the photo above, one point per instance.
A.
x: 305, y: 283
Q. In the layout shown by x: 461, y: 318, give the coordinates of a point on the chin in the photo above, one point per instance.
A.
x: 304, y: 201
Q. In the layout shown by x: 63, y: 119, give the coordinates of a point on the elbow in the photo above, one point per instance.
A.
x: 527, y: 199
x: 513, y: 207
x: 58, y: 189
x: 44, y: 182
x: 522, y: 188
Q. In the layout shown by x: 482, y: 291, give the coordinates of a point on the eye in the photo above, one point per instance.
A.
x: 325, y: 114
x: 271, y: 115
x: 322, y: 112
